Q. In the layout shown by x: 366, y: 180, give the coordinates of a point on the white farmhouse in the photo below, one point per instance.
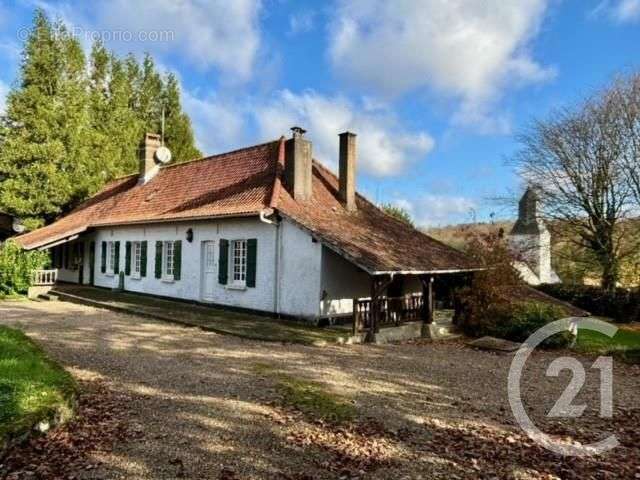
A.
x: 530, y: 241
x: 264, y: 228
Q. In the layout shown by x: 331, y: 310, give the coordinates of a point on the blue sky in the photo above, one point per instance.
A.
x: 436, y: 90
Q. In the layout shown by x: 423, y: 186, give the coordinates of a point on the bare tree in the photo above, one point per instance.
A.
x: 625, y: 98
x: 578, y: 160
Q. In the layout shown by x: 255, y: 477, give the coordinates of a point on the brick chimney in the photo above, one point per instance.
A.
x: 298, y: 165
x: 347, y: 187
x: 146, y: 155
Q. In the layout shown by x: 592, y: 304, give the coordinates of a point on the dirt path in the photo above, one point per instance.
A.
x: 427, y: 410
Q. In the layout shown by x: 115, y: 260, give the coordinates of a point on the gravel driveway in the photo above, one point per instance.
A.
x: 428, y: 410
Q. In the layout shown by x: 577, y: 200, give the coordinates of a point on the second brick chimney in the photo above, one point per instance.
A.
x: 347, y: 187
x: 298, y: 165
x: 146, y: 155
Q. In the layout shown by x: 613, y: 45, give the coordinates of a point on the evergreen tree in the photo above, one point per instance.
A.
x: 115, y: 128
x: 43, y: 160
x: 149, y: 95
x: 178, y: 131
x: 68, y: 129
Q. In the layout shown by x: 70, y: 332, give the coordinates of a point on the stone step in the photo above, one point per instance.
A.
x: 443, y: 331
x: 48, y: 297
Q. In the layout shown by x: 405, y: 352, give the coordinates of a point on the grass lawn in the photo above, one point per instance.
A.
x: 626, y: 343
x: 310, y: 398
x: 240, y: 324
x: 32, y: 387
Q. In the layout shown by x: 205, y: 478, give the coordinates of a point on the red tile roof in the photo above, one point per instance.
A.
x: 245, y: 182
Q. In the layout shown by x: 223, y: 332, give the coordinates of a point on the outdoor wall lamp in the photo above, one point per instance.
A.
x: 190, y: 235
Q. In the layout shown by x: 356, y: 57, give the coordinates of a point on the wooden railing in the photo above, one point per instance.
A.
x: 45, y: 277
x: 391, y: 311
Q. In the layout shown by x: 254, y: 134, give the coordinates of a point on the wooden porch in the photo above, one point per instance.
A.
x: 382, y: 311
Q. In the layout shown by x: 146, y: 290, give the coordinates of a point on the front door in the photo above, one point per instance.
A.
x: 208, y: 270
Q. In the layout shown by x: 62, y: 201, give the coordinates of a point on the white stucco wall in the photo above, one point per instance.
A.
x: 189, y: 286
x: 341, y: 283
x: 68, y: 275
x: 312, y: 280
x: 300, y: 271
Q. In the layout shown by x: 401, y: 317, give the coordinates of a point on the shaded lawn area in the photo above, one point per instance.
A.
x: 245, y: 325
x: 311, y: 398
x: 32, y: 387
x: 625, y: 342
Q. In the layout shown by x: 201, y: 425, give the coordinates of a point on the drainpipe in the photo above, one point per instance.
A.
x: 276, y: 283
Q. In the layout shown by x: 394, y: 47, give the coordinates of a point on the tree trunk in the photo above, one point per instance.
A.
x: 610, y: 272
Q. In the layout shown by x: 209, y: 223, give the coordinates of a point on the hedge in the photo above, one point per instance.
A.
x: 516, y: 322
x: 622, y: 306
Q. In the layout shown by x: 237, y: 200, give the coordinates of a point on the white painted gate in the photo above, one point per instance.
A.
x: 209, y: 272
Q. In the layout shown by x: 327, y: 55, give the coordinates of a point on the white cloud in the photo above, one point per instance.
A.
x: 438, y: 210
x: 219, y: 124
x: 384, y: 148
x: 204, y: 33
x: 223, y: 122
x: 463, y: 48
x: 301, y: 22
x: 621, y: 11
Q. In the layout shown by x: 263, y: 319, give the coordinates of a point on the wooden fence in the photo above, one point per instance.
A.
x: 390, y: 311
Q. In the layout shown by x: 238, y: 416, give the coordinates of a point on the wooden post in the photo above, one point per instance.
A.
x: 427, y: 298
x: 431, y: 301
x: 355, y: 317
x: 374, y: 305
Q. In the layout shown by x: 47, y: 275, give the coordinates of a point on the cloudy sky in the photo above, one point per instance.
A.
x: 436, y: 90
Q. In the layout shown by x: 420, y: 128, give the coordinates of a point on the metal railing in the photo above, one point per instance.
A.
x: 45, y: 277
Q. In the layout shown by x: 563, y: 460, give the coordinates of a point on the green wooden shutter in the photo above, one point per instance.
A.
x: 92, y: 262
x: 252, y: 257
x: 223, y: 262
x: 54, y: 257
x: 67, y: 254
x: 158, y: 259
x: 103, y: 264
x: 116, y: 263
x: 177, y: 259
x: 143, y: 259
x: 127, y: 258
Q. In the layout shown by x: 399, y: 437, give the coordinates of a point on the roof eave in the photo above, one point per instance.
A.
x: 427, y: 272
x: 252, y: 213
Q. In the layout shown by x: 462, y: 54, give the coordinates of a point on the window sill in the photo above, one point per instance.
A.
x: 168, y: 280
x: 110, y: 274
x: 236, y: 287
x: 135, y: 277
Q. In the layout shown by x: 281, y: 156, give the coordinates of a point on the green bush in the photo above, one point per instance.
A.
x: 516, y: 322
x: 17, y: 267
x: 631, y: 355
x: 623, y: 305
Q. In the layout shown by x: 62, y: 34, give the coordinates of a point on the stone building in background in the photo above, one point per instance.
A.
x: 530, y: 241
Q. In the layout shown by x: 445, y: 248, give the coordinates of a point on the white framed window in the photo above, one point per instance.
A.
x: 168, y: 260
x: 136, y: 259
x: 239, y: 262
x: 111, y: 258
